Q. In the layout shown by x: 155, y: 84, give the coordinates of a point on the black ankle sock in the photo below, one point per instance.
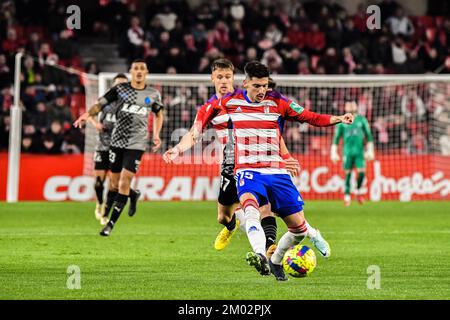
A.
x: 118, y: 205
x: 109, y: 201
x: 232, y: 224
x: 99, y: 190
x: 269, y: 225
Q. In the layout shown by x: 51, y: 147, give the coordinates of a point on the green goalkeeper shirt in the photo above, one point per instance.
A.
x: 353, y: 135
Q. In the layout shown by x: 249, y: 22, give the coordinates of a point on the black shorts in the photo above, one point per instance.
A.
x: 228, y: 190
x: 125, y: 159
x: 101, y: 160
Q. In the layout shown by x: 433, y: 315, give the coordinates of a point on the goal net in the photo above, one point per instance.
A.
x: 409, y: 117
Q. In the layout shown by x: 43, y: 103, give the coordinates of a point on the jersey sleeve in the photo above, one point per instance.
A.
x: 337, y: 134
x: 205, y: 114
x: 157, y: 103
x: 367, y: 131
x: 293, y: 111
x: 109, y: 97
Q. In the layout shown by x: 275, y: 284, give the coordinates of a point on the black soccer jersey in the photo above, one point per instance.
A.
x: 133, y: 108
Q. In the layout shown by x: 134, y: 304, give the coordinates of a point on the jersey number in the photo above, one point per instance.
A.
x: 112, y: 156
x: 224, y: 182
x: 97, y: 157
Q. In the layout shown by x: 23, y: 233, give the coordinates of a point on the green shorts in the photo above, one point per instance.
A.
x: 354, y: 161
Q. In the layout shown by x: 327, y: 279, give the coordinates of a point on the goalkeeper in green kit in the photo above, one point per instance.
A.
x: 354, y: 156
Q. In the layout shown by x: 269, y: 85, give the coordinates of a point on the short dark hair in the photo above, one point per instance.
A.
x: 139, y: 61
x: 120, y: 76
x: 255, y: 69
x: 222, y: 64
x: 272, y: 84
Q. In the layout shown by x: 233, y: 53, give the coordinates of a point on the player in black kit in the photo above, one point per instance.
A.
x: 104, y: 124
x: 129, y: 138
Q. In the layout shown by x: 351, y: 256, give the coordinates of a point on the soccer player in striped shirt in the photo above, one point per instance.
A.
x: 262, y: 176
x: 229, y: 213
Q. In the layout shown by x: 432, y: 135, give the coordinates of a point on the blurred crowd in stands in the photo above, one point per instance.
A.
x: 302, y: 37
x: 50, y: 97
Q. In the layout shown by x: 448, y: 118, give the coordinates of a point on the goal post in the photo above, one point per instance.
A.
x: 15, y: 137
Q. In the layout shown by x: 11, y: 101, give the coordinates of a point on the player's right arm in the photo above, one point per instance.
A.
x: 109, y: 97
x: 205, y: 114
x: 97, y: 125
x: 334, y: 146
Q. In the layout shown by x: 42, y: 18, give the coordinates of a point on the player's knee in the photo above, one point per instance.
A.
x: 265, y: 212
x: 124, y: 184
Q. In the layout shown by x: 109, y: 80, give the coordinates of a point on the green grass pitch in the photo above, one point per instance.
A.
x: 166, y: 252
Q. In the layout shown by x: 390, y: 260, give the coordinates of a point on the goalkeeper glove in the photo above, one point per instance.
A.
x: 334, y: 154
x: 370, y: 153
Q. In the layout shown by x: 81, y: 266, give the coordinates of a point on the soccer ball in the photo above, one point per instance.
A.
x: 299, y: 261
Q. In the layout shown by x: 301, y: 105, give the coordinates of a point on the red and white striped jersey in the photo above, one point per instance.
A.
x: 220, y: 124
x: 257, y: 127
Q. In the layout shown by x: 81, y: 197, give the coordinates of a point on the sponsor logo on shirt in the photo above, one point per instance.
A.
x: 297, y: 108
x: 135, y: 109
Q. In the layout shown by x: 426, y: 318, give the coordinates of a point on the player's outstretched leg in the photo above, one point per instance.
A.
x: 134, y: 197
x: 297, y: 231
x: 318, y: 241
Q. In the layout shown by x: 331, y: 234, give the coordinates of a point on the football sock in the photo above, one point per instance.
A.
x: 253, y: 227
x: 99, y: 190
x: 240, y: 215
x: 232, y: 224
x: 287, y: 240
x: 109, y: 201
x: 119, y: 203
x: 347, y: 182
x: 269, y: 225
x: 312, y: 232
x: 132, y: 193
x: 360, y: 180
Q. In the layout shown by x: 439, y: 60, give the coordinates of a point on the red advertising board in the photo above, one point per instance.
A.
x: 390, y: 177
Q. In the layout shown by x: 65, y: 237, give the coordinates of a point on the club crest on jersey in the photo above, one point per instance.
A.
x: 297, y: 108
x: 147, y: 100
x: 135, y: 109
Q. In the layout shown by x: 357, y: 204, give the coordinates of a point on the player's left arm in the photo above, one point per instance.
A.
x: 296, y: 112
x: 370, y: 149
x: 158, y: 120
